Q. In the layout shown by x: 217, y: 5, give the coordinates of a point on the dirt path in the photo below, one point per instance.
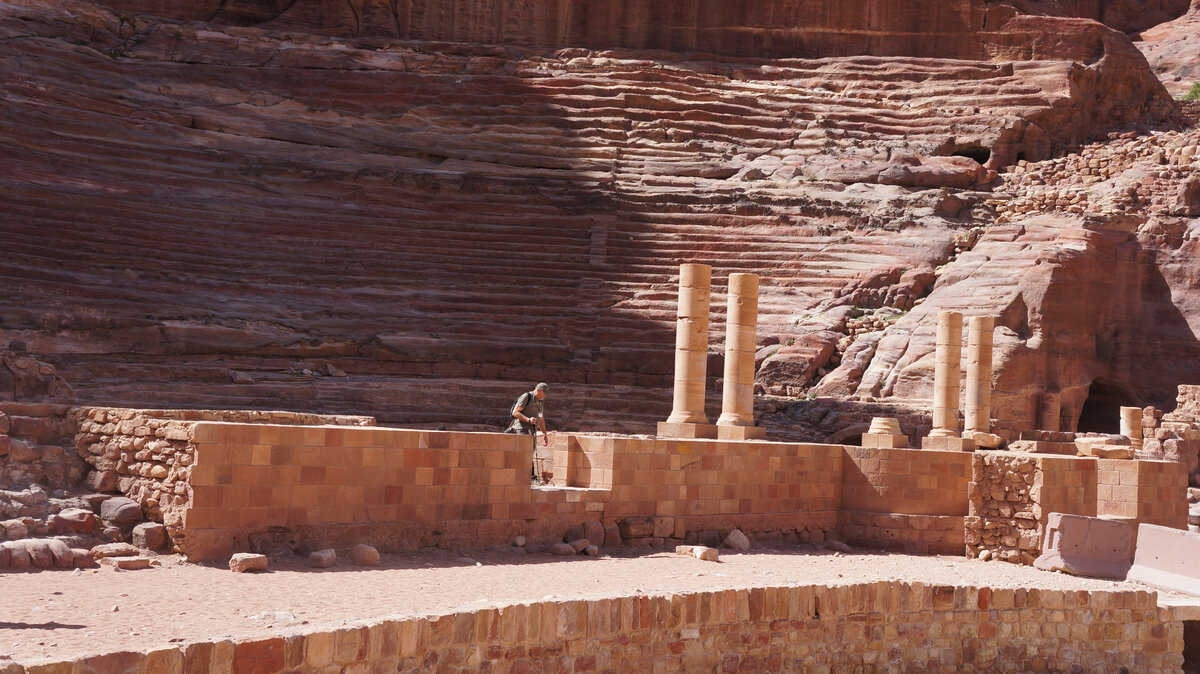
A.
x: 57, y: 615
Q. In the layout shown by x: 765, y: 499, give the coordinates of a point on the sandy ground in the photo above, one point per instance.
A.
x: 55, y: 615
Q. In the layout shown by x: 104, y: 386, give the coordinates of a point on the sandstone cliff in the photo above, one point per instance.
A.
x: 223, y: 215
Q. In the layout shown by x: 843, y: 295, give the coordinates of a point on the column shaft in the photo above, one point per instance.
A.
x: 947, y: 372
x: 741, y: 325
x: 979, y: 373
x: 691, y: 344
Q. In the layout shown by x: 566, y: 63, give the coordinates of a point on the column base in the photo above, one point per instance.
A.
x: 668, y: 429
x: 950, y: 444
x: 884, y: 441
x: 741, y: 432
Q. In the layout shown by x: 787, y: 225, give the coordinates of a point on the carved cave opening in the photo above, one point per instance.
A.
x: 978, y: 153
x: 1101, y: 411
x: 1191, y: 645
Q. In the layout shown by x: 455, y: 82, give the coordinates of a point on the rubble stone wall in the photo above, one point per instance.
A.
x: 874, y: 626
x: 1012, y: 495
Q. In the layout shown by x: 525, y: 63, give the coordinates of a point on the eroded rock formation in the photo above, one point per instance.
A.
x: 248, y: 214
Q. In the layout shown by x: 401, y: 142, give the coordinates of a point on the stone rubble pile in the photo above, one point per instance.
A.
x: 1129, y: 174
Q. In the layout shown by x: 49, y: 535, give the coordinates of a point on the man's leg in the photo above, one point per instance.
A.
x: 533, y: 474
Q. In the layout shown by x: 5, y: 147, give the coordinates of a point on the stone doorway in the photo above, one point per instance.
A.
x: 1101, y: 411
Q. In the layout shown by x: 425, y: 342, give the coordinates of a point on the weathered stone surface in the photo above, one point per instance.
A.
x: 73, y: 520
x: 1166, y: 558
x: 579, y: 544
x: 322, y: 559
x: 737, y: 540
x: 120, y: 511
x: 114, y: 550
x: 364, y: 555
x: 243, y: 562
x: 563, y: 550
x: 699, y: 552
x: 101, y: 480
x: 149, y: 536
x: 1087, y: 546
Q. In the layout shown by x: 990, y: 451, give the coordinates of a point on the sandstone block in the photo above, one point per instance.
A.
x: 593, y: 530
x: 18, y: 556
x: 884, y: 441
x: 114, y: 550
x: 1166, y: 558
x: 579, y: 545
x: 563, y: 550
x: 128, y: 563
x: 636, y: 527
x: 14, y: 529
x: 3, y: 556
x: 323, y: 559
x: 82, y: 559
x: 121, y: 511
x: 664, y: 527
x: 592, y: 551
x: 243, y: 562
x: 73, y: 520
x: 984, y: 440
x: 40, y: 554
x: 574, y: 533
x: 949, y: 444
x: 64, y: 557
x: 612, y: 535
x: 1087, y: 546
x: 364, y: 555
x: 698, y: 551
x: 737, y: 540
x: 149, y: 535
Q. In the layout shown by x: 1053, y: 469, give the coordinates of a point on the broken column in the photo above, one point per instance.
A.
x: 1131, y: 425
x: 741, y: 323
x: 978, y: 424
x: 687, y: 418
x: 946, y: 381
x: 885, y: 432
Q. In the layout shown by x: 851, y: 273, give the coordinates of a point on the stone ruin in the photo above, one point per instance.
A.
x: 383, y: 175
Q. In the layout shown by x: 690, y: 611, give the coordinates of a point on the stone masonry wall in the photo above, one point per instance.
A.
x: 147, y: 454
x: 1012, y: 495
x: 885, y: 626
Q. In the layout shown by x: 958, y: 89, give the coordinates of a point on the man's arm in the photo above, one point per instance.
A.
x: 545, y: 436
x: 518, y: 411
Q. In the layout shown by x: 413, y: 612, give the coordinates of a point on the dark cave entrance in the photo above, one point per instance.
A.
x: 979, y: 154
x: 1101, y: 411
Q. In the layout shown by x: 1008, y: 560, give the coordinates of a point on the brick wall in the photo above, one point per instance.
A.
x: 881, y: 626
x: 1154, y: 492
x: 908, y: 500
x: 333, y: 485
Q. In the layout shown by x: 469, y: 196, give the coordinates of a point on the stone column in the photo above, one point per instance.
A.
x: 1050, y: 412
x: 946, y: 375
x: 687, y: 418
x: 1131, y: 425
x: 741, y: 323
x: 979, y: 374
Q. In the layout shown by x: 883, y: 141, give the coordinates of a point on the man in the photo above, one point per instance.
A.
x: 528, y: 416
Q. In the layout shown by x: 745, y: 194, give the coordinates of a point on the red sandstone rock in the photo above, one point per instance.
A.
x: 699, y: 552
x: 323, y: 559
x: 1173, y: 50
x: 73, y: 520
x: 563, y: 550
x: 149, y: 536
x: 113, y: 550
x: 243, y: 562
x: 1087, y: 546
x: 364, y: 555
x: 737, y: 540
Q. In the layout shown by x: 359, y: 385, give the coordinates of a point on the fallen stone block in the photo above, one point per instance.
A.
x: 1166, y: 558
x: 364, y: 555
x: 245, y: 561
x: 82, y: 559
x: 592, y: 551
x: 563, y: 550
x: 323, y: 559
x: 40, y: 554
x: 101, y: 480
x: 14, y: 529
x: 1103, y: 450
x: 73, y: 520
x: 121, y: 511
x: 1086, y: 546
x: 699, y: 552
x: 114, y: 550
x: 636, y: 527
x: 127, y: 563
x: 593, y: 530
x: 612, y: 535
x: 149, y: 535
x: 64, y: 557
x: 737, y: 540
x: 837, y: 546
x: 579, y: 544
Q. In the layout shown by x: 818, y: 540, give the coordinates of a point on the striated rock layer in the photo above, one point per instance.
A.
x: 221, y: 216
